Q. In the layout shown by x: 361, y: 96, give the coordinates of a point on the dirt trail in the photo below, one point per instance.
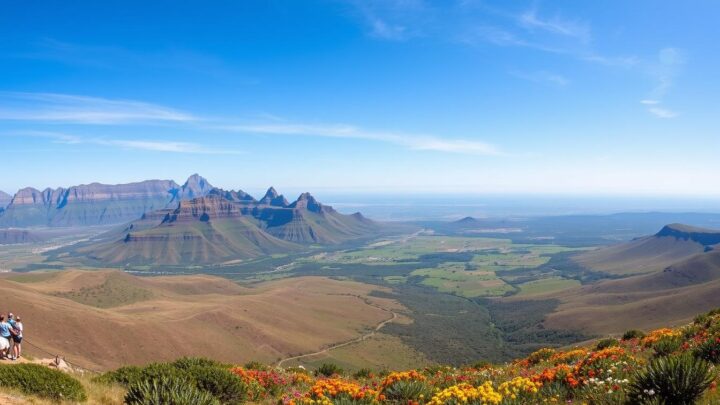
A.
x: 349, y: 342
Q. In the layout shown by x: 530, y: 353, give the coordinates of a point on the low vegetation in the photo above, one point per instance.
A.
x: 640, y: 368
x: 41, y: 381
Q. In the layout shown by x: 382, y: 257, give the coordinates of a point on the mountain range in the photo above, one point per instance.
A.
x: 95, y: 203
x: 224, y: 225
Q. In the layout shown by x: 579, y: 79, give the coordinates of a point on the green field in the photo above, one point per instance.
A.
x: 547, y: 285
x: 468, y: 267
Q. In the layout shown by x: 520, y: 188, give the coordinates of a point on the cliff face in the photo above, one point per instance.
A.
x: 706, y: 237
x: 97, y: 204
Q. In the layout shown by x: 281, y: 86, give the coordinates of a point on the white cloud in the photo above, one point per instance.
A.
x: 415, y: 142
x: 662, y: 112
x: 163, y: 146
x: 556, y: 25
x: 129, y: 144
x: 74, y: 109
x: 649, y: 102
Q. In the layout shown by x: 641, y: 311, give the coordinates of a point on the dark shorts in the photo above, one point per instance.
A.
x: 17, y: 339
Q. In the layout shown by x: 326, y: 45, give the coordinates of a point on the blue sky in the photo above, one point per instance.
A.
x: 409, y: 96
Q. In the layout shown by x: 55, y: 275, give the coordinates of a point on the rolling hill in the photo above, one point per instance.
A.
x: 227, y: 225
x: 104, y: 319
x: 673, y: 243
x: 665, y: 278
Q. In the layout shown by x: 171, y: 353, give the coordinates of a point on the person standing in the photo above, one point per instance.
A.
x: 11, y: 321
x: 5, y: 337
x: 17, y: 338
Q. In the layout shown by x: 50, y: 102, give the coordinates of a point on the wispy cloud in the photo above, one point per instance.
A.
x: 663, y: 72
x: 556, y: 25
x: 542, y: 77
x: 392, y: 20
x: 67, y: 108
x: 93, y: 111
x: 414, y: 142
x: 129, y: 144
x: 662, y: 112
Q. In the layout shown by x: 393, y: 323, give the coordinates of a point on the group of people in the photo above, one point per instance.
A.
x: 11, y: 335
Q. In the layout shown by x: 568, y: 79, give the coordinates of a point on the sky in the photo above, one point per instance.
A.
x: 373, y: 96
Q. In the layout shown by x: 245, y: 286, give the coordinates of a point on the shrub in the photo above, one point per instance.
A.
x: 220, y: 383
x: 667, y: 346
x: 481, y: 364
x: 709, y: 350
x: 328, y: 370
x: 540, y: 355
x: 677, y: 380
x: 605, y: 343
x: 363, y: 373
x: 405, y: 391
x: 633, y: 334
x: 123, y: 376
x: 167, y: 391
x: 34, y: 379
x: 186, y: 363
x: 255, y: 365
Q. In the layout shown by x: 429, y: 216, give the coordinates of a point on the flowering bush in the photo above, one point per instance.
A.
x: 332, y: 389
x: 467, y: 394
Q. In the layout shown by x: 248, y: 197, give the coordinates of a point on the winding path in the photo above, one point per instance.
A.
x: 347, y: 343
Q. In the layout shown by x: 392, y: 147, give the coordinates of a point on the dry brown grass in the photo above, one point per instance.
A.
x: 198, y: 315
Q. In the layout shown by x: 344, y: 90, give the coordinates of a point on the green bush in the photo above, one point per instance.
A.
x: 709, y: 350
x: 362, y: 373
x: 667, y: 346
x: 633, y: 334
x: 34, y: 379
x: 676, y: 380
x: 167, y: 391
x: 481, y: 364
x: 186, y: 363
x: 220, y: 383
x: 404, y: 391
x: 328, y: 370
x: 605, y: 343
x: 255, y: 365
x: 129, y: 375
x: 124, y: 376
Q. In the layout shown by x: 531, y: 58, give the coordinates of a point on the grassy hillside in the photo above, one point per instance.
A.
x: 662, y: 366
x: 103, y: 319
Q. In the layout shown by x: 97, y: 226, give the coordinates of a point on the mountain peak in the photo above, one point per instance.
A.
x: 273, y: 198
x: 271, y: 193
x: 307, y: 201
x: 195, y: 186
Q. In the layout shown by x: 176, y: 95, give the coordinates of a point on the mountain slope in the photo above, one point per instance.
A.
x: 226, y: 226
x: 672, y: 244
x: 4, y: 200
x: 680, y: 277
